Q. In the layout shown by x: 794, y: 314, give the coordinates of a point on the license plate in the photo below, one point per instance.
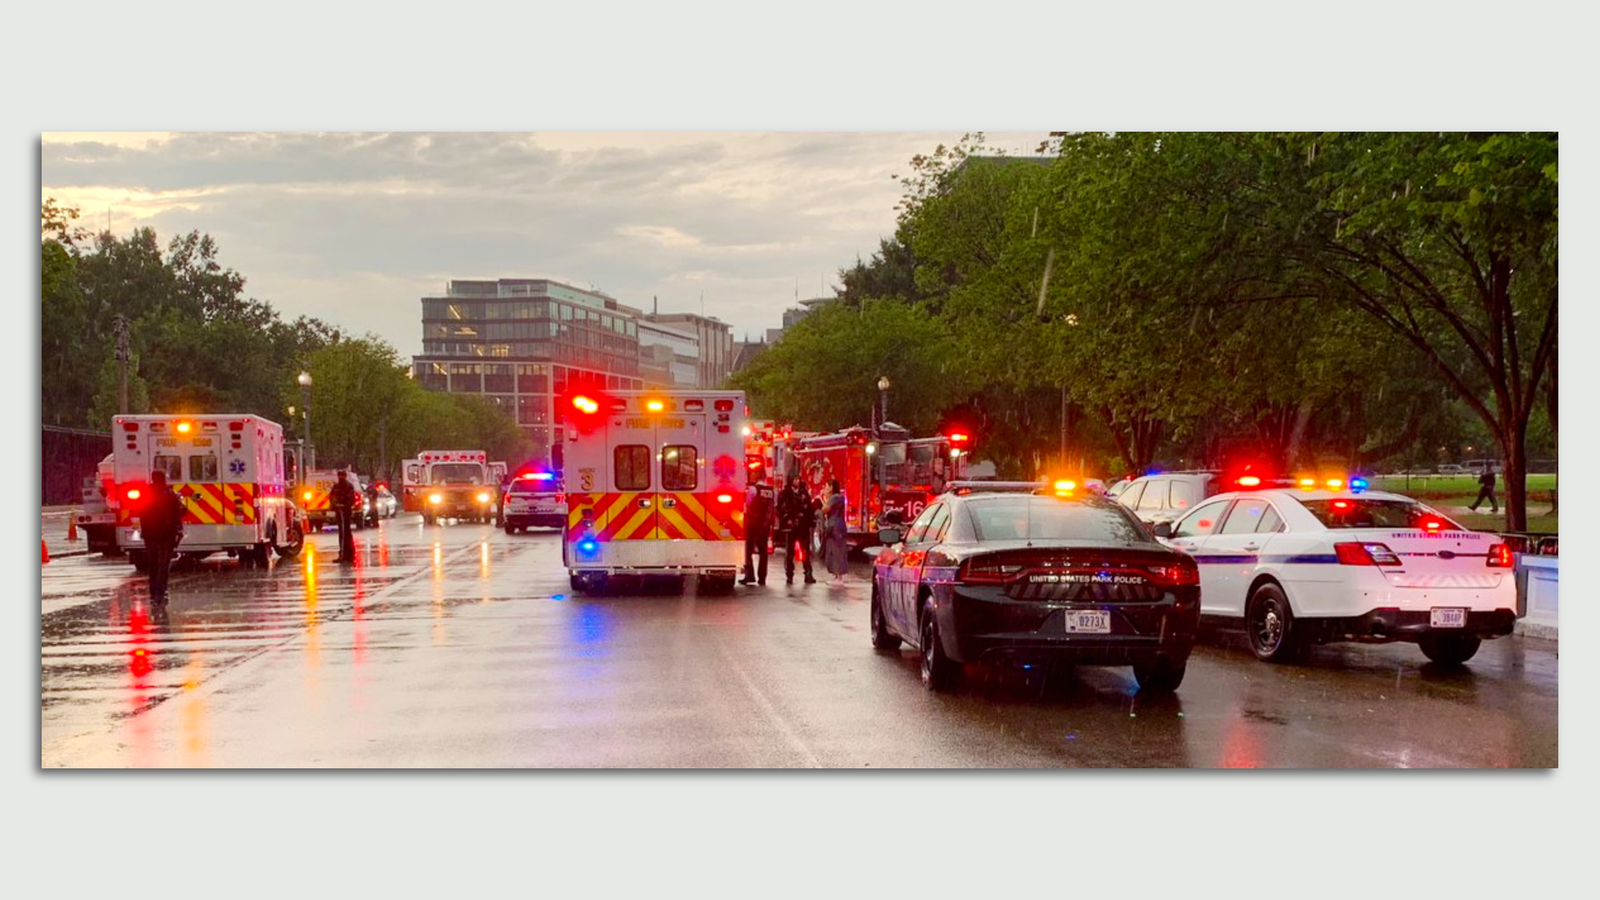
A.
x: 1440, y: 617
x: 1088, y: 621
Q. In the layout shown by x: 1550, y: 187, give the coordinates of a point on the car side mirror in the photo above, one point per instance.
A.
x: 889, y: 536
x: 1163, y: 529
x: 894, y: 517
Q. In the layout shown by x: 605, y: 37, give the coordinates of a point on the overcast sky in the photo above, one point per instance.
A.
x: 354, y: 228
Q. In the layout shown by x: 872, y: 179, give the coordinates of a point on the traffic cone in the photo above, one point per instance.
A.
x: 72, y: 528
x: 44, y: 550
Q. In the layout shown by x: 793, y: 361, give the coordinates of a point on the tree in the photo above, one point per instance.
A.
x: 1449, y: 241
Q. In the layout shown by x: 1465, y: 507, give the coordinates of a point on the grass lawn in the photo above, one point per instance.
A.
x: 1461, y: 490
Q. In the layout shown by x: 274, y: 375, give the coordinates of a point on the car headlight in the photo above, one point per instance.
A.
x: 483, y: 498
x: 435, y: 498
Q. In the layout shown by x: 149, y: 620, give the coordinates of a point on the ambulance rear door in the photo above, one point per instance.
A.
x: 682, y: 488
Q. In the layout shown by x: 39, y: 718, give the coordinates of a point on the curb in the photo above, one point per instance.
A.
x: 1537, y: 630
x: 68, y: 553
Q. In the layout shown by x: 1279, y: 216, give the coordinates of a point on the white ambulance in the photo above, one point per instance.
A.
x: 227, y: 469
x: 655, y: 485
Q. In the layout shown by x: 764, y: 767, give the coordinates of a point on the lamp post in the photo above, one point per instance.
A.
x: 883, y: 399
x: 305, y: 393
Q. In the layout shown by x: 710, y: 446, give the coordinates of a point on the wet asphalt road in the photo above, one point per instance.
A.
x: 460, y: 646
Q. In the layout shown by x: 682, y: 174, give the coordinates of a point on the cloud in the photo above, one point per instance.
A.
x: 356, y: 228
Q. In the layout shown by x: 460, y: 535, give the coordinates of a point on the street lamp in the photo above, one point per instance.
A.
x: 883, y: 398
x: 305, y: 392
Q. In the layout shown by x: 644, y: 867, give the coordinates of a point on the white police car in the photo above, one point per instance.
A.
x: 1320, y: 562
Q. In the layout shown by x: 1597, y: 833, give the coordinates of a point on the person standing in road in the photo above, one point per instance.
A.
x: 343, y: 499
x: 795, y: 521
x: 757, y: 527
x: 1486, y: 490
x: 161, y: 524
x: 833, y: 530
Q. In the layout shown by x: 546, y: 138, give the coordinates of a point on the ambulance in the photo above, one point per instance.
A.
x: 315, y: 498
x: 446, y: 484
x: 227, y: 470
x: 655, y: 485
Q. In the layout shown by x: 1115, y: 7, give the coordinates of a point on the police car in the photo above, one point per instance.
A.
x: 1310, y: 561
x: 533, y: 499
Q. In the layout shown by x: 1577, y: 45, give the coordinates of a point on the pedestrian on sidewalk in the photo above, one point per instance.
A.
x: 343, y: 498
x: 796, y: 520
x: 161, y: 525
x: 1486, y: 490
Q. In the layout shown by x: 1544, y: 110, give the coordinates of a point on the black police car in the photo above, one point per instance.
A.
x: 1032, y: 579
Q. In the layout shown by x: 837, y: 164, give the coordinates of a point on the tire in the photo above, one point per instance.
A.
x: 1449, y: 649
x: 939, y: 672
x: 511, y: 529
x: 881, y: 638
x: 295, y: 543
x: 427, y: 519
x: 1269, y: 625
x: 1160, y: 675
x: 590, y: 582
x: 141, y: 561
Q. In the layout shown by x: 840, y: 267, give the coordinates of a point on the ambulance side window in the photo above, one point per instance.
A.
x: 172, y: 465
x: 631, y: 467
x: 679, y: 468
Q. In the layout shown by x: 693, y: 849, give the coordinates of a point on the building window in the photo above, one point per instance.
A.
x: 534, y: 410
x: 498, y: 379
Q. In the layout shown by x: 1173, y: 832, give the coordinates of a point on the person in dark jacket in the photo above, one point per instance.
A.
x: 343, y: 499
x: 1486, y: 490
x: 161, y: 525
x: 796, y: 518
x: 757, y: 527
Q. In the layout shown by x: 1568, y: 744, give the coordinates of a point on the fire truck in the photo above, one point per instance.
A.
x: 227, y: 469
x: 884, y: 475
x: 445, y: 484
x: 655, y: 486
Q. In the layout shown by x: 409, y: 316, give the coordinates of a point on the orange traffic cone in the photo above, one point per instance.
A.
x: 44, y: 550
x: 72, y: 528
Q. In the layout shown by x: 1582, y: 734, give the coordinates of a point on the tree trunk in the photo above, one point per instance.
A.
x: 1514, y: 447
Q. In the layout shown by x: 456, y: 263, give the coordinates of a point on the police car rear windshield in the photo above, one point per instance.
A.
x: 531, y: 486
x: 1374, y: 513
x: 457, y: 473
x: 1022, y: 516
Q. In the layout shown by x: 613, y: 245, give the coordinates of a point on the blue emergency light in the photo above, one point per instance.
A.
x: 588, y: 546
x: 1357, y: 485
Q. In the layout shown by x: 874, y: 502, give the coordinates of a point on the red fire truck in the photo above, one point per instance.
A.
x: 880, y: 473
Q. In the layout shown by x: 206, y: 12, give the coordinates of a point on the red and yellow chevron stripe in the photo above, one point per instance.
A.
x: 619, y: 517
x: 209, y: 503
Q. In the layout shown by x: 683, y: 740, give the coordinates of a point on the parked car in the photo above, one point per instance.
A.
x: 1168, y: 495
x: 387, y: 505
x: 1023, y: 578
x: 1297, y: 567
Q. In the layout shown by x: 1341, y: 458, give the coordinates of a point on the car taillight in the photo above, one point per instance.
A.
x: 1501, y: 556
x: 980, y: 571
x: 1355, y: 554
x: 1178, y: 575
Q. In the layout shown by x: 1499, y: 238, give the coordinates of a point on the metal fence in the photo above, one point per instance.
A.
x: 69, y: 455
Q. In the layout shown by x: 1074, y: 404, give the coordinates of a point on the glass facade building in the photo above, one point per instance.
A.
x: 520, y: 343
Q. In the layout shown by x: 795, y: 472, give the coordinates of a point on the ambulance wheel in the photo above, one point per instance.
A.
x: 590, y: 582
x: 141, y: 562
x: 297, y: 541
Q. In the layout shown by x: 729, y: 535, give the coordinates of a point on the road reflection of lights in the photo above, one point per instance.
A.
x: 1240, y: 749
x: 483, y: 559
x: 590, y: 630
x: 194, y: 712
x: 140, y: 665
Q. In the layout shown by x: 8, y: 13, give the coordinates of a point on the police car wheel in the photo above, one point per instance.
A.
x: 1160, y: 675
x: 1449, y: 649
x: 939, y: 672
x: 1269, y: 625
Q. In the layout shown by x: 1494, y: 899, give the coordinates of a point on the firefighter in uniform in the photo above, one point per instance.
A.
x: 757, y: 526
x: 343, y: 499
x: 161, y: 524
